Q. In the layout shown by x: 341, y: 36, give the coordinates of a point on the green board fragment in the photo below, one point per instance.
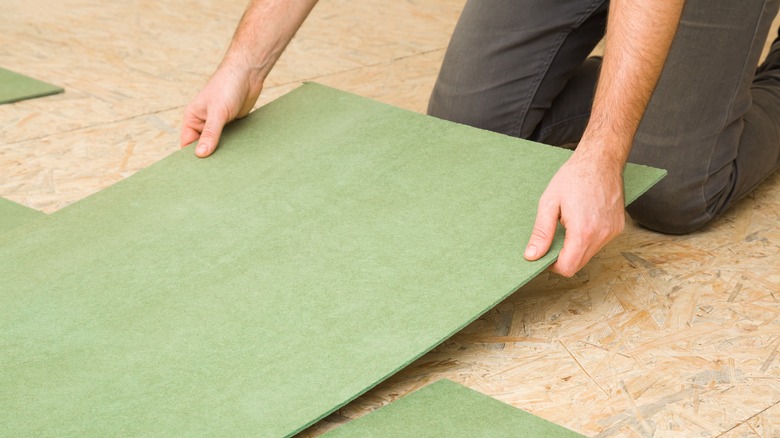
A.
x: 328, y: 243
x: 447, y: 409
x: 15, y: 87
x: 12, y: 215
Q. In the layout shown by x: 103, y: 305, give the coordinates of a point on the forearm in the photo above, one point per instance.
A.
x: 639, y: 34
x: 264, y: 31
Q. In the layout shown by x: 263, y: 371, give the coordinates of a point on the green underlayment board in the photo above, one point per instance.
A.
x: 447, y: 409
x: 12, y: 215
x: 15, y: 87
x: 329, y: 242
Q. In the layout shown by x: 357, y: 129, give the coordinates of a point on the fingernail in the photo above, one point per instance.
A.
x: 202, y: 149
x: 531, y: 251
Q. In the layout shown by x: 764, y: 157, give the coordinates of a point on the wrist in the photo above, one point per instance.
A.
x: 237, y: 65
x: 608, y: 158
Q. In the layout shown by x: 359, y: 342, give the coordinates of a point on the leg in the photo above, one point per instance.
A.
x: 712, y: 123
x: 564, y: 123
x: 509, y: 59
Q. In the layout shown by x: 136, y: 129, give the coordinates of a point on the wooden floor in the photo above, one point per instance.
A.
x: 658, y: 336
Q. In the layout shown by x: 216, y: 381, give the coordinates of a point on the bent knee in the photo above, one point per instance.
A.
x: 670, y: 213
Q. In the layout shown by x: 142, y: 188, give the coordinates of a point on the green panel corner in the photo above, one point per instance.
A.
x: 13, y: 215
x: 15, y: 87
x: 447, y: 409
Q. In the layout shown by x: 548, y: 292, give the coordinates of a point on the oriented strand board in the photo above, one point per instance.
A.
x: 15, y: 87
x: 567, y: 350
x: 447, y: 409
x: 12, y: 215
x: 329, y: 242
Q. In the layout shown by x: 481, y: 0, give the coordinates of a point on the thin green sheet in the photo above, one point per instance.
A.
x: 328, y: 243
x: 447, y: 409
x: 12, y: 215
x: 15, y: 87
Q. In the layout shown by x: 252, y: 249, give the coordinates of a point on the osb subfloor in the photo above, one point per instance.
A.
x: 657, y: 336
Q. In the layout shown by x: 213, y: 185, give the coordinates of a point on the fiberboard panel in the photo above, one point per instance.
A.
x: 328, y: 243
x: 15, y: 87
x: 446, y: 409
x: 12, y: 215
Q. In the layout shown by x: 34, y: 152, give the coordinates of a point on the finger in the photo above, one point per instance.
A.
x: 246, y: 108
x: 188, y: 135
x: 544, y: 230
x: 576, y: 253
x: 573, y: 255
x: 249, y: 102
x: 209, y: 138
x: 190, y: 129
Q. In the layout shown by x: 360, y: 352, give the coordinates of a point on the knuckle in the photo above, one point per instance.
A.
x: 566, y: 271
x: 546, y: 203
x: 209, y: 133
x: 540, y: 233
x: 223, y: 112
x: 193, y: 109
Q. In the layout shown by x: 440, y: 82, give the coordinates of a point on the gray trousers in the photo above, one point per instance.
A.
x: 519, y: 67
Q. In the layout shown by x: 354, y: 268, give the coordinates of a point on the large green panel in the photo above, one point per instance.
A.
x: 446, y: 409
x: 15, y: 87
x: 12, y: 215
x: 329, y: 242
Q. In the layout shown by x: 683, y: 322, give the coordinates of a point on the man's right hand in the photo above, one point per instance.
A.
x: 229, y: 94
x: 265, y: 29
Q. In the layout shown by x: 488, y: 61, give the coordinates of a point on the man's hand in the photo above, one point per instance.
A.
x: 230, y: 94
x: 264, y: 31
x: 586, y: 196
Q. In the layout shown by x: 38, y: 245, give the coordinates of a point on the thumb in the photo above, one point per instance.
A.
x: 544, y: 230
x: 209, y: 138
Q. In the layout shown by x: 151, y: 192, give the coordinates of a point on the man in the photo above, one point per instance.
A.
x: 677, y: 89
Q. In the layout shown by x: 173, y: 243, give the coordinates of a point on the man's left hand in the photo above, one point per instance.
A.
x: 586, y: 196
